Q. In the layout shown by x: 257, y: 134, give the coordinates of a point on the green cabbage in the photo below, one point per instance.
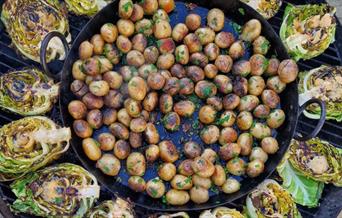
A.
x: 29, y: 144
x: 324, y: 83
x: 118, y: 208
x: 267, y: 8
x: 318, y: 160
x: 64, y: 190
x: 308, y: 30
x: 221, y: 212
x: 304, y: 191
x: 86, y: 7
x: 269, y: 199
x: 28, y: 21
x: 27, y: 92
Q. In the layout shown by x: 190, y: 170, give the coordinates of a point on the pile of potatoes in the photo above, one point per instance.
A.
x: 241, y: 102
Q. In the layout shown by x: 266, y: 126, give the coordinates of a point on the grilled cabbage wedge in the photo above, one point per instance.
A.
x: 221, y: 212
x: 267, y: 8
x: 324, y: 83
x: 112, y: 209
x: 27, y: 92
x: 86, y: 7
x: 28, y: 21
x: 318, y: 160
x: 29, y: 144
x: 269, y: 199
x: 63, y: 190
x: 308, y: 30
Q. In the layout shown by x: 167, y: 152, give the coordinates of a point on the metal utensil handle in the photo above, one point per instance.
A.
x: 320, y: 122
x: 43, y: 51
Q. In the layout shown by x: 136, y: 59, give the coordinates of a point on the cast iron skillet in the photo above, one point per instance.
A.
x: 289, y: 103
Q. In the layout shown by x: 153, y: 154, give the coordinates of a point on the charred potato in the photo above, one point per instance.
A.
x: 82, y: 128
x: 192, y: 149
x: 122, y: 149
x: 182, y: 54
x: 195, y: 73
x: 151, y: 54
x: 171, y: 86
x: 236, y: 50
x: 205, y: 89
x: 137, y: 13
x: 156, y: 81
x: 212, y: 51
x: 151, y: 101
x: 224, y: 39
x: 193, y: 43
x: 165, y: 61
x: 144, y: 26
x: 149, y: 6
x: 288, y: 71
x: 107, y: 141
x: 165, y: 103
x: 119, y: 131
x: 230, y: 101
x: 138, y: 125
x: 270, y: 98
x: 224, y: 63
x: 223, y: 83
x: 171, y: 121
x: 256, y: 85
x: 258, y: 64
x: 77, y: 109
x: 177, y: 70
x: 227, y: 118
x: 274, y: 83
x: 135, y: 139
x: 228, y: 135
x: 261, y: 45
x: 94, y: 118
x: 186, y: 86
x: 248, y: 103
x: 184, y: 108
x: 185, y: 168
x: 242, y: 68
x: 216, y: 102
x: 261, y: 111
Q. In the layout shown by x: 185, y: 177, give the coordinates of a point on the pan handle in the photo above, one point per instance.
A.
x: 321, y: 121
x: 43, y: 51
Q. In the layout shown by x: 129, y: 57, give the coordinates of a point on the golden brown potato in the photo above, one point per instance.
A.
x: 236, y: 166
x: 216, y: 102
x: 199, y: 59
x: 119, y: 131
x: 224, y: 39
x: 219, y: 176
x: 199, y: 195
x: 160, y: 15
x: 228, y: 135
x: 151, y: 55
x: 288, y: 71
x: 177, y: 197
x: 137, y: 13
x: 109, y: 165
x: 244, y: 120
x: 240, y: 86
x: 109, y: 32
x: 77, y: 109
x: 156, y: 81
x: 192, y: 149
x: 167, y: 171
x: 137, y: 88
x: 184, y: 108
x: 261, y: 45
x: 236, y: 50
x: 155, y: 188
x: 276, y: 118
x: 215, y: 19
x: 165, y: 61
x: 165, y: 103
x: 171, y: 121
x: 125, y: 8
x: 136, y: 164
x: 79, y: 89
x: 258, y: 153
x: 212, y: 51
x: 256, y: 85
x: 98, y: 43
x: 203, y: 167
x: 251, y: 30
x: 135, y: 139
x: 151, y: 101
x: 99, y: 88
x: 227, y: 119
x: 193, y: 43
x: 138, y: 124
x: 77, y: 72
x: 114, y: 79
x: 128, y: 72
x: 210, y: 134
x: 181, y: 182
x: 182, y: 54
x: 270, y: 98
x: 201, y: 181
x: 186, y: 86
x: 195, y: 73
x: 230, y: 186
x: 122, y: 149
x: 151, y: 134
x: 205, y: 89
x: 135, y: 58
x: 245, y: 141
x: 91, y: 149
x: 171, y: 86
x: 260, y: 130
x: 242, y: 68
x: 269, y: 145
x: 223, y: 83
x: 133, y: 108
x: 112, y: 53
x: 162, y: 29
x: 258, y: 64
x: 146, y: 115
x: 207, y: 114
x: 248, y: 103
x: 205, y: 35
x: 82, y: 128
x: 106, y: 141
x: 152, y: 153
x: 179, y: 32
x: 230, y: 101
x: 137, y: 183
x: 123, y: 44
x: 85, y: 50
x: 94, y: 118
x: 229, y: 151
x: 144, y: 26
x: 166, y: 45
x: 167, y: 5
x: 209, y: 154
x: 185, y: 168
x: 168, y: 151
x: 274, y: 83
x: 92, y: 101
x: 261, y: 111
x: 177, y: 70
x: 255, y: 168
x: 91, y: 66
x: 224, y: 63
x: 149, y: 6
x: 272, y: 68
x: 193, y: 21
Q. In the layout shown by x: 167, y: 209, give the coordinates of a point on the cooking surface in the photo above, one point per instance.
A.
x: 330, y: 201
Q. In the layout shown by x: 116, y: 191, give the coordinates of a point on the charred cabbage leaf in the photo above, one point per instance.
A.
x: 64, y: 190
x: 307, y: 30
x: 118, y: 208
x: 27, y: 92
x: 269, y: 199
x: 318, y: 160
x: 267, y: 8
x: 28, y: 21
x: 304, y: 191
x: 324, y: 83
x: 221, y: 212
x: 86, y: 7
x: 29, y: 144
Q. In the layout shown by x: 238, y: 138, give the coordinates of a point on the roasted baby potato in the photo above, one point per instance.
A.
x: 138, y: 124
x: 199, y: 195
x: 137, y: 183
x: 219, y: 176
x: 215, y: 19
x: 236, y: 50
x: 152, y: 153
x: 231, y: 185
x: 155, y: 188
x: 177, y: 197
x: 207, y: 114
x: 269, y: 145
x: 192, y: 149
x: 91, y: 149
x: 137, y: 13
x: 167, y: 171
x: 156, y: 81
x: 256, y: 84
x: 119, y: 130
x: 135, y: 139
x: 77, y: 109
x: 201, y: 181
x: 258, y: 153
x: 224, y: 39
x: 230, y: 101
x: 223, y: 83
x: 255, y: 168
x: 151, y: 134
x: 185, y: 168
x: 212, y: 51
x: 125, y: 8
x: 82, y: 128
x: 151, y: 101
x: 165, y: 103
x: 182, y: 54
x: 171, y: 121
x: 245, y: 141
x: 251, y: 30
x: 210, y: 134
x: 186, y: 86
x: 205, y: 89
x: 94, y: 118
x: 244, y: 120
x: 203, y: 167
x: 162, y: 29
x: 193, y: 43
x: 260, y: 130
x: 168, y: 151
x: 229, y: 151
x: 107, y: 141
x: 184, y: 108
x: 193, y: 21
x: 109, y: 165
x: 137, y: 88
x: 236, y: 166
x: 224, y: 63
x: 209, y: 154
x: 136, y: 164
x: 276, y: 118
x: 206, y: 35
x: 122, y: 149
x: 181, y: 182
x: 179, y: 32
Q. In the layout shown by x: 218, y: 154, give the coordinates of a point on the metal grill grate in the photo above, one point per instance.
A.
x: 330, y: 206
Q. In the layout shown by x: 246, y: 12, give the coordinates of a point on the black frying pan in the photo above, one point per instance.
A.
x: 289, y: 103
